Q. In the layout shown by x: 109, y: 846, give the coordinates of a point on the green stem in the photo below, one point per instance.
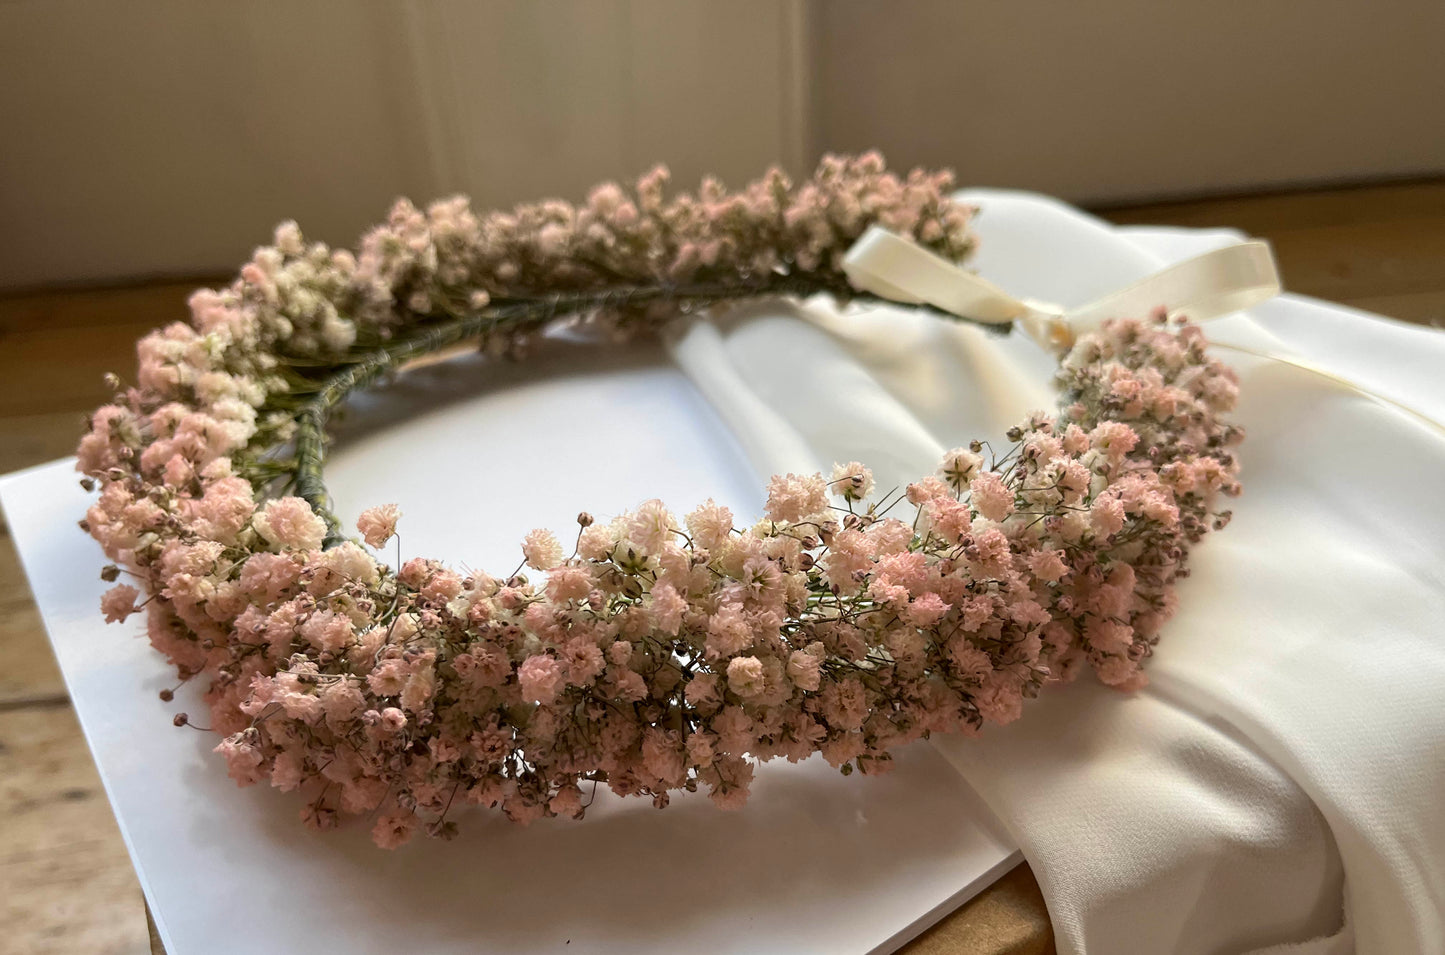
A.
x: 515, y: 314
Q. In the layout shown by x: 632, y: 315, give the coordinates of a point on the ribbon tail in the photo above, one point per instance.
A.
x: 894, y: 268
x: 1205, y: 287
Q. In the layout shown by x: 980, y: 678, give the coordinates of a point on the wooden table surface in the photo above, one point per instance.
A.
x: 66, y: 884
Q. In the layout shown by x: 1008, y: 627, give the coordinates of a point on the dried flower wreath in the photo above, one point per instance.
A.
x: 654, y: 653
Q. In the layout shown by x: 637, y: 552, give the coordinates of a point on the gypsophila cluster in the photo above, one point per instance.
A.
x: 652, y: 652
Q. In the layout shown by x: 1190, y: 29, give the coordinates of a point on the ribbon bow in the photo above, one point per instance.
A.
x: 1204, y: 287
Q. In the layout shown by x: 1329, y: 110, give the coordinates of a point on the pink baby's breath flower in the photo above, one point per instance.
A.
x: 650, y: 526
x: 567, y: 801
x: 925, y: 610
x: 567, y: 583
x: 420, y: 685
x: 992, y: 498
x: 595, y: 542
x: 584, y: 661
x: 1108, y: 636
x: 291, y: 524
x: 803, y: 667
x: 388, y: 677
x: 1107, y: 515
x: 889, y: 536
x: 959, y: 467
x: 541, y: 549
x: 378, y: 524
x: 287, y: 772
x: 667, y: 608
x: 663, y: 756
x: 852, y: 480
x: 733, y: 777
x: 243, y: 758
x: 702, y: 691
x: 928, y: 489
x: 950, y: 519
x: 1047, y: 565
x: 342, y: 702
x: 1114, y: 438
x: 119, y: 602
x: 793, y: 497
x: 999, y: 700
x: 631, y: 687
x: 746, y: 676
x: 710, y: 524
x: 728, y: 631
x: 847, y: 560
x: 540, y: 678
x: 327, y: 630
x: 223, y: 509
x: 394, y: 829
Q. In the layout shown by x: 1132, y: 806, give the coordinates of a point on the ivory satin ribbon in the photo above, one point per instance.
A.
x: 1205, y: 287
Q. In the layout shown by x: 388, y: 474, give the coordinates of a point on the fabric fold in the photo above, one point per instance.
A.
x: 771, y: 443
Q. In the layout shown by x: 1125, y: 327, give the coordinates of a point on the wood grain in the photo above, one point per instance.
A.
x: 1007, y: 918
x: 1268, y: 214
x: 30, y: 674
x: 66, y: 885
x: 1379, y: 248
x: 58, y: 345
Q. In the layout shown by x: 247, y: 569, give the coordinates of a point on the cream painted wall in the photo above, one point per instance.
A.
x: 151, y: 137
x: 168, y: 136
x: 1106, y: 100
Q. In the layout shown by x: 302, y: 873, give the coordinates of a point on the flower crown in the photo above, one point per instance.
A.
x: 650, y: 652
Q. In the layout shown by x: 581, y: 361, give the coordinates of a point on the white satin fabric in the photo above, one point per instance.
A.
x: 1277, y: 787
